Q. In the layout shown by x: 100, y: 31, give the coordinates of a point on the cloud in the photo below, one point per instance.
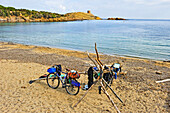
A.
x: 62, y: 7
x: 56, y: 5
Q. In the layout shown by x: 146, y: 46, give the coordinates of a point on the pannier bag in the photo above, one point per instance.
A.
x: 51, y: 70
x: 116, y: 67
x: 75, y: 83
x: 55, y: 68
x: 73, y: 74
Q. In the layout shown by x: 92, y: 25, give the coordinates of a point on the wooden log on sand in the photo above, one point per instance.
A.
x: 165, y: 80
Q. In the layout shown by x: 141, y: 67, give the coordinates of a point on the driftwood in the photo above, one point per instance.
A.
x: 99, y: 64
x: 85, y: 72
x: 98, y: 55
x: 165, y: 80
x: 85, y: 94
x: 91, y: 59
x: 100, y: 78
x: 112, y: 90
x: 104, y: 90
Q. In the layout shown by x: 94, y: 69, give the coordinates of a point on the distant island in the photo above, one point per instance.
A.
x: 116, y: 19
x: 11, y: 14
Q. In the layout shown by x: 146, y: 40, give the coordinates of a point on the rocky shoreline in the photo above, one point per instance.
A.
x: 76, y: 16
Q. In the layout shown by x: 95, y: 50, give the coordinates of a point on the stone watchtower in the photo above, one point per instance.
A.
x: 88, y: 11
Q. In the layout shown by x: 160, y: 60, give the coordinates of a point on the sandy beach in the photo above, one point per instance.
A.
x: 21, y: 63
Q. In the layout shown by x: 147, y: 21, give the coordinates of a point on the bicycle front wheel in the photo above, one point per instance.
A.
x: 53, y: 81
x: 71, y: 89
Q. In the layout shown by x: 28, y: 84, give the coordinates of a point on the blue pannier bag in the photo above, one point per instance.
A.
x: 74, y: 83
x: 51, y: 70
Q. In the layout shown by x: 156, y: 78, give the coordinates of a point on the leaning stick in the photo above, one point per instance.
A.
x: 85, y: 72
x: 91, y: 59
x: 112, y: 91
x: 99, y: 63
x: 98, y: 55
x: 122, y: 73
x: 166, y: 80
x: 86, y: 93
x: 104, y: 90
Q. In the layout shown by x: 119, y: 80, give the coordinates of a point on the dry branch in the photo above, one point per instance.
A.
x: 101, y: 79
x: 104, y: 90
x: 112, y: 91
x: 166, y: 80
x: 91, y: 59
x: 86, y: 93
x: 98, y: 55
x: 99, y: 64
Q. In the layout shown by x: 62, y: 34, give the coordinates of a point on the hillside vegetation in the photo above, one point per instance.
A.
x: 10, y: 14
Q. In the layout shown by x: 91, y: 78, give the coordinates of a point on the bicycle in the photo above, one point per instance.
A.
x: 68, y: 79
x: 111, y: 74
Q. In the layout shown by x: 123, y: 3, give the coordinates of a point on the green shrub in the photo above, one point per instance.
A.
x: 6, y: 11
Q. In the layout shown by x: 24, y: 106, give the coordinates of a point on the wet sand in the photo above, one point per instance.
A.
x: 21, y: 63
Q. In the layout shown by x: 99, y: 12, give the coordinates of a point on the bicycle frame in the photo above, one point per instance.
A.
x: 70, y: 84
x: 58, y: 74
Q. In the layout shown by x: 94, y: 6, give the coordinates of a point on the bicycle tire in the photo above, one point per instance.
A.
x: 69, y: 88
x: 50, y: 81
x: 109, y: 82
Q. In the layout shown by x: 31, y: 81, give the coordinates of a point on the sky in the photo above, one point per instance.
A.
x: 129, y: 9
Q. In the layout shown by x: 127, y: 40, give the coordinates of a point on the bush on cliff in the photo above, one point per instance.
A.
x: 11, y: 11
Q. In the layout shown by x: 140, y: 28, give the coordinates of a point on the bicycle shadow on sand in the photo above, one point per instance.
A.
x: 45, y: 86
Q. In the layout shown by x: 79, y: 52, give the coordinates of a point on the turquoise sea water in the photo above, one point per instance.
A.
x: 136, y: 38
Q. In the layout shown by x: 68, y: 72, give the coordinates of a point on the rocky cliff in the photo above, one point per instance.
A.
x: 10, y: 14
x: 67, y: 17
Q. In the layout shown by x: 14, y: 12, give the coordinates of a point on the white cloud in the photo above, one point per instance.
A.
x: 62, y: 7
x: 56, y: 5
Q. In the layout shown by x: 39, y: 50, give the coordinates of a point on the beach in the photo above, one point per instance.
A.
x: 21, y: 63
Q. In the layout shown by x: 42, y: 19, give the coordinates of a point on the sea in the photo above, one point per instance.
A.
x: 143, y: 38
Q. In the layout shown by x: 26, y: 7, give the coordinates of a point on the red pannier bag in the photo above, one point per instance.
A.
x: 73, y: 74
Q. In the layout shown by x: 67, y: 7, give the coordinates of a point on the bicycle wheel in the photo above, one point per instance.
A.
x: 109, y: 80
x: 53, y: 81
x: 71, y: 89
